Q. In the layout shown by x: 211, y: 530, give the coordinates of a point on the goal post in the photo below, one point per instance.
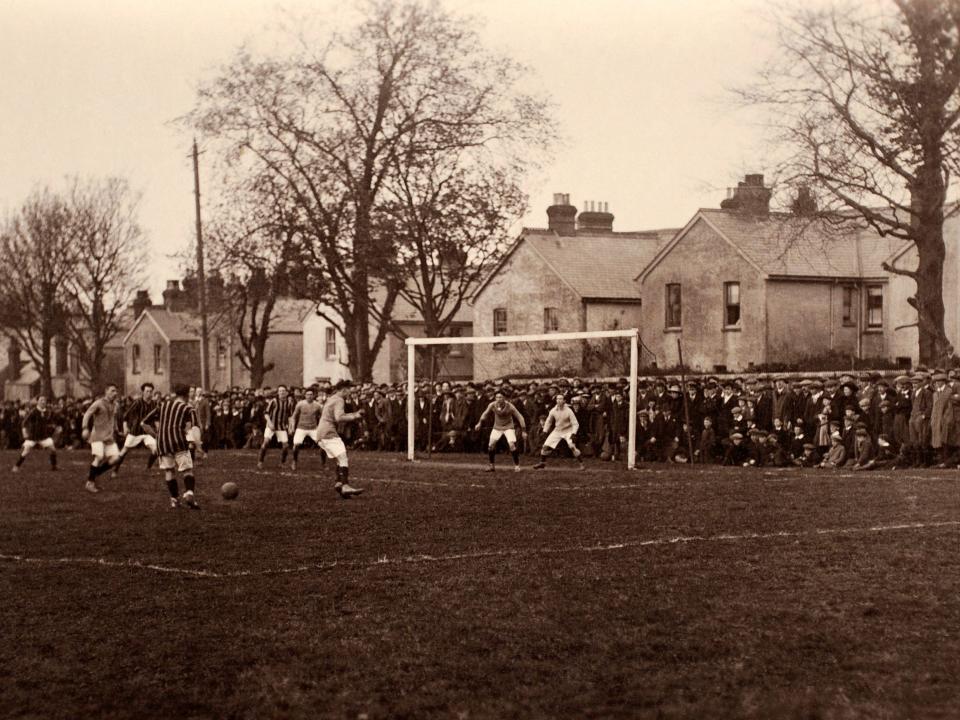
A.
x: 633, y: 335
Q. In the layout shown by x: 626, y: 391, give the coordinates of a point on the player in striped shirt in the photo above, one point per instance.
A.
x: 330, y: 441
x: 278, y: 413
x: 98, y: 425
x: 38, y: 429
x: 505, y: 419
x: 174, y: 424
x: 133, y: 431
x: 561, y: 424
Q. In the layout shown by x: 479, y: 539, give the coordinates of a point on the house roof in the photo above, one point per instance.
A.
x: 601, y: 265
x: 783, y: 245
x: 288, y: 315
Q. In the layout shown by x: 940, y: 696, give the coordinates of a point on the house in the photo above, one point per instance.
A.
x: 904, y: 340
x: 163, y: 346
x: 741, y: 286
x: 325, y: 349
x: 575, y: 275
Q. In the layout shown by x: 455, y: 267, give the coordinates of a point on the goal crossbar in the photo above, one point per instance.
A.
x: 633, y: 334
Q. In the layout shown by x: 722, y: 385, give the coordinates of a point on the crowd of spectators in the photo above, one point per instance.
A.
x: 861, y: 422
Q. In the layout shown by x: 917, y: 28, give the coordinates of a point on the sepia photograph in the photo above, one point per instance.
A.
x: 480, y: 359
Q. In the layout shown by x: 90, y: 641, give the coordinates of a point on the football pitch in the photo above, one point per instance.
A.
x: 448, y: 592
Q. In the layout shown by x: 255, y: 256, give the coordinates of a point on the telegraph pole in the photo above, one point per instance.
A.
x: 201, y: 277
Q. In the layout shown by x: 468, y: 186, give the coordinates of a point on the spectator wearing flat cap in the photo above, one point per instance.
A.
x: 942, y: 419
x: 920, y: 411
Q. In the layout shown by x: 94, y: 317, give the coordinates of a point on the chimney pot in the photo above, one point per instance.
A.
x: 561, y: 216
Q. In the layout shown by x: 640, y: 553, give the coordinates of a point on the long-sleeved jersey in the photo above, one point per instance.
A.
x: 503, y: 417
x: 333, y: 412
x: 564, y: 421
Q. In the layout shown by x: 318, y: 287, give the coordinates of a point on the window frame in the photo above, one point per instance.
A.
x: 456, y: 351
x: 330, y: 341
x: 868, y: 308
x: 497, y: 314
x: 848, y: 309
x: 551, y: 324
x: 158, y: 359
x: 221, y: 354
x: 668, y: 307
x: 136, y: 357
x: 727, y: 305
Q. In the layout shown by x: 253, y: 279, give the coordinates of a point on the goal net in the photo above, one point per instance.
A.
x: 451, y: 380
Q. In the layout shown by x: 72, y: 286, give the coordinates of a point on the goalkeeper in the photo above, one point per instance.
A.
x: 562, y: 424
x: 505, y: 418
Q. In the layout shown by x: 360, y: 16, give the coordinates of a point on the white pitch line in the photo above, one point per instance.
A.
x: 476, y: 555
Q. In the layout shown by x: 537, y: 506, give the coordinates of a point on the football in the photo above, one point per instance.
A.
x: 229, y: 490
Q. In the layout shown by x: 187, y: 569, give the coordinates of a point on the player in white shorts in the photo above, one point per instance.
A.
x: 38, y: 430
x: 278, y: 414
x: 330, y: 442
x: 134, y: 434
x: 561, y: 424
x: 505, y: 418
x: 306, y: 418
x: 99, y: 423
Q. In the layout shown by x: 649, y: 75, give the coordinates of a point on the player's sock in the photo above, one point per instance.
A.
x: 151, y: 460
x: 174, y: 488
x: 296, y: 453
x: 20, y: 460
x: 492, y: 454
x: 323, y: 458
x: 119, y: 461
x: 283, y: 455
x: 516, y: 456
x: 92, y: 473
x: 53, y: 459
x: 188, y: 483
x: 263, y: 453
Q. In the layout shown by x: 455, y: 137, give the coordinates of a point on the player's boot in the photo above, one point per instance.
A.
x: 516, y: 468
x: 539, y: 466
x: 15, y: 469
x: 581, y: 465
x: 490, y: 468
x: 347, y: 491
x: 190, y: 500
x: 259, y: 465
x: 293, y: 466
x: 91, y: 487
x: 174, y: 503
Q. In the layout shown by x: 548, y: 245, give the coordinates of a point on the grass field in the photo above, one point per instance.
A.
x: 446, y: 592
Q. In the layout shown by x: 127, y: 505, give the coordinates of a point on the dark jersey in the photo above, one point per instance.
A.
x: 138, y: 410
x: 172, y: 419
x: 279, y: 412
x: 39, y: 425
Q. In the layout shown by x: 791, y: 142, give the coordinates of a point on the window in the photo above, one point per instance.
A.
x: 848, y: 318
x: 500, y: 325
x: 330, y: 343
x: 135, y: 359
x: 874, y: 306
x: 672, y: 306
x: 731, y: 304
x: 455, y: 350
x: 551, y: 324
x: 221, y: 354
x: 158, y: 359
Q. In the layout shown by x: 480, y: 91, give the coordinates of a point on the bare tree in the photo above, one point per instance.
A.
x: 37, y: 259
x: 865, y: 99
x: 253, y: 242
x: 110, y: 256
x: 408, y: 81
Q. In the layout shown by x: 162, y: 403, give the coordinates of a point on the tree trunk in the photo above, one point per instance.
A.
x: 46, y: 371
x: 935, y: 349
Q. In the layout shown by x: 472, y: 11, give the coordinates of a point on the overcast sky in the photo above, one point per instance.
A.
x: 90, y: 87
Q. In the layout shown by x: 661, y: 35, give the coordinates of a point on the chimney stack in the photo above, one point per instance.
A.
x: 140, y: 303
x: 596, y: 218
x: 561, y: 216
x: 750, y: 196
x: 805, y: 203
x: 173, y: 297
